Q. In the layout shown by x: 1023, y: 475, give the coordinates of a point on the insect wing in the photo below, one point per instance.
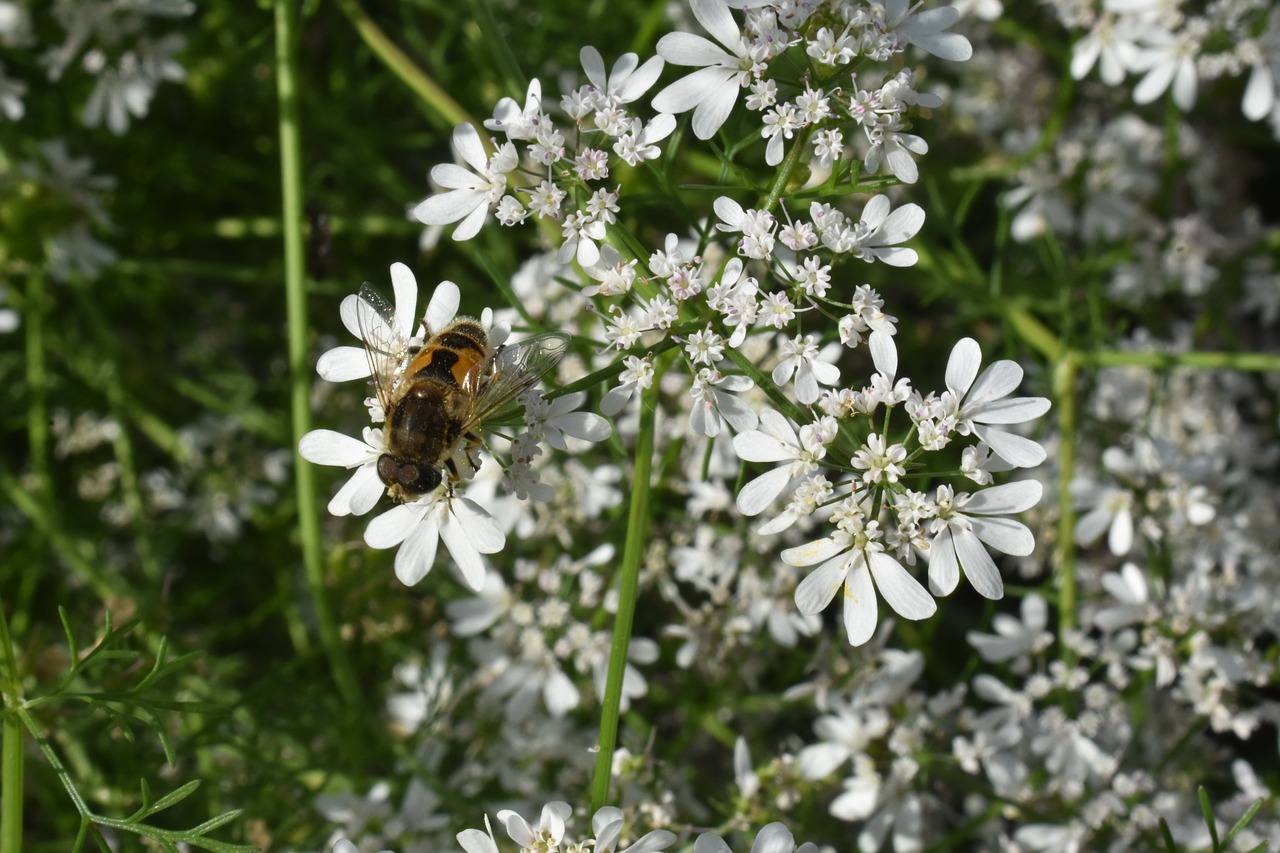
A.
x: 513, y: 370
x: 385, y: 343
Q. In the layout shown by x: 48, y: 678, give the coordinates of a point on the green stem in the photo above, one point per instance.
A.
x: 788, y: 167
x: 37, y: 383
x: 11, y: 757
x: 433, y: 95
x: 299, y: 368
x: 1258, y: 362
x: 632, y: 554
x: 1064, y: 399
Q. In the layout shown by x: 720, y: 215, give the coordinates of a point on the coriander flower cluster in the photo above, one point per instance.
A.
x: 440, y: 512
x: 110, y: 40
x: 743, y: 309
x: 1175, y: 49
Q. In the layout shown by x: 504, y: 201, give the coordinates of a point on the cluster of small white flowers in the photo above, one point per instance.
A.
x: 74, y: 196
x: 535, y: 644
x: 113, y: 42
x: 950, y: 530
x: 776, y: 274
x: 1177, y: 48
x: 467, y: 529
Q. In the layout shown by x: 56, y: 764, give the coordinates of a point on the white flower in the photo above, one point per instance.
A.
x: 756, y: 227
x: 638, y: 374
x: 776, y: 441
x: 1129, y: 588
x: 629, y: 80
x: 925, y: 29
x: 1015, y: 638
x: 475, y: 841
x: 854, y: 561
x: 418, y: 527
x: 977, y: 405
x: 553, y: 420
x: 880, y: 462
x: 714, y: 401
x: 959, y: 536
x: 1111, y: 44
x: 326, y: 447
x: 1167, y: 58
x: 516, y: 123
x: 894, y: 149
x: 873, y: 237
x: 468, y: 194
x: 773, y: 838
x: 606, y: 826
x: 345, y: 363
x: 1112, y: 512
x: 640, y: 140
x: 811, y: 366
x: 712, y: 90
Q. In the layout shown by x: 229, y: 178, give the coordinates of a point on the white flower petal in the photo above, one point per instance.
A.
x: 468, y: 560
x: 417, y: 553
x: 756, y: 446
x: 716, y: 19
x: 688, y: 49
x: 1000, y: 379
x: 658, y: 839
x: 443, y: 208
x: 978, y: 566
x: 359, y: 494
x: 593, y: 65
x: 470, y: 226
x: 390, y: 529
x: 962, y: 366
x: 640, y: 80
x: 902, y: 592
x: 761, y: 492
x: 1005, y: 535
x: 585, y: 425
x: 1017, y: 451
x: 819, y: 760
x: 1006, y: 499
x: 944, y: 566
x: 860, y: 614
x: 815, y: 552
x: 466, y: 142
x: 405, y: 289
x: 348, y: 311
x: 816, y: 590
x: 897, y: 257
x: 709, y: 842
x: 1015, y: 410
x: 326, y: 447
x: 480, y: 527
x: 715, y: 107
x: 774, y: 838
x: 342, y: 364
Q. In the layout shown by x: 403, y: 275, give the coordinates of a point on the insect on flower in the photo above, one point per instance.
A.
x: 438, y: 395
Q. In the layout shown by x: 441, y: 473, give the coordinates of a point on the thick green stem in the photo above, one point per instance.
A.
x: 632, y: 555
x: 37, y: 382
x: 11, y: 768
x: 1064, y: 400
x: 432, y: 94
x: 299, y: 367
x: 789, y: 165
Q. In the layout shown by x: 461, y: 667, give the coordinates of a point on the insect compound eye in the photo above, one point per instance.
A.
x: 419, y: 479
x: 413, y: 478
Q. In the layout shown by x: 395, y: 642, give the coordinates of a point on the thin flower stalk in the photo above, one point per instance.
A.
x: 632, y: 554
x: 286, y: 20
